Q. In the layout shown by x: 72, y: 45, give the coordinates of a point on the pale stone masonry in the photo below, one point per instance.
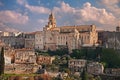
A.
x: 95, y: 68
x: 44, y: 59
x: 109, y: 39
x: 77, y: 65
x: 25, y: 56
x: 53, y: 37
x: 73, y: 37
x: 112, y: 71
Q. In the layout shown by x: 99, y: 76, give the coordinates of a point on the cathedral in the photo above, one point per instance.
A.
x: 53, y: 37
x: 72, y: 37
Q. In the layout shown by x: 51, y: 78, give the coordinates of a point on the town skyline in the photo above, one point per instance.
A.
x: 59, y: 39
x: 28, y: 16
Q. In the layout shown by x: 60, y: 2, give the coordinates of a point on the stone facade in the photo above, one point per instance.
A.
x: 44, y: 59
x: 73, y: 37
x: 53, y: 37
x: 39, y: 38
x: 12, y: 41
x: 76, y: 65
x: 112, y: 71
x: 29, y: 40
x: 7, y: 34
x: 109, y: 39
x: 25, y: 56
x: 95, y: 68
x: 7, y: 60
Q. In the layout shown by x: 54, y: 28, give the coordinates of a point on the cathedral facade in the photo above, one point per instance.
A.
x: 72, y: 37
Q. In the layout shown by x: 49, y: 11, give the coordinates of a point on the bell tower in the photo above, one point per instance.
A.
x: 51, y: 22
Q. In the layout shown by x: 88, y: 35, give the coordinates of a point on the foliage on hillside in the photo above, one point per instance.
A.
x: 109, y: 57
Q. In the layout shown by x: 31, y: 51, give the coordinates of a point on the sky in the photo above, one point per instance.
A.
x: 32, y: 15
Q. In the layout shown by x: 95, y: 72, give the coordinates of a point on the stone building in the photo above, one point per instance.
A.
x: 39, y: 38
x: 53, y: 37
x: 25, y: 56
x: 44, y: 59
x: 76, y: 65
x: 7, y: 60
x: 29, y: 40
x: 33, y: 40
x: 112, y: 71
x: 109, y: 39
x: 12, y: 41
x: 95, y: 68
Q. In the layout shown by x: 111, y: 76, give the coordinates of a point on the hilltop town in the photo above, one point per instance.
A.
x: 62, y: 53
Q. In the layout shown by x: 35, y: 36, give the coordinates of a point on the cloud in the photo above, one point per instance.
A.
x: 88, y: 14
x: 64, y: 8
x: 4, y: 27
x: 13, y: 17
x: 38, y: 9
x: 34, y: 9
x: 112, y: 6
x: 1, y: 4
x: 110, y: 2
x: 42, y: 21
x: 22, y: 2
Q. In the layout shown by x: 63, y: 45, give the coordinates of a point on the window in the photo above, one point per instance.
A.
x: 87, y: 37
x: 50, y: 38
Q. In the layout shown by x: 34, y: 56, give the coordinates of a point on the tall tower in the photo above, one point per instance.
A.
x: 51, y: 22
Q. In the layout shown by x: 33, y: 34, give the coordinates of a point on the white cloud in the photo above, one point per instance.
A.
x: 110, y: 2
x: 22, y: 2
x: 64, y: 8
x: 34, y: 9
x: 89, y: 13
x: 13, y: 17
x: 42, y: 21
x: 86, y: 14
x: 38, y: 9
x: 4, y: 27
x: 112, y: 5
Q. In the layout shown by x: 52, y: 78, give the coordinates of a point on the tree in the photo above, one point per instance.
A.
x: 111, y: 58
x: 84, y: 75
x: 98, y: 78
x: 59, y: 52
x: 2, y: 61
